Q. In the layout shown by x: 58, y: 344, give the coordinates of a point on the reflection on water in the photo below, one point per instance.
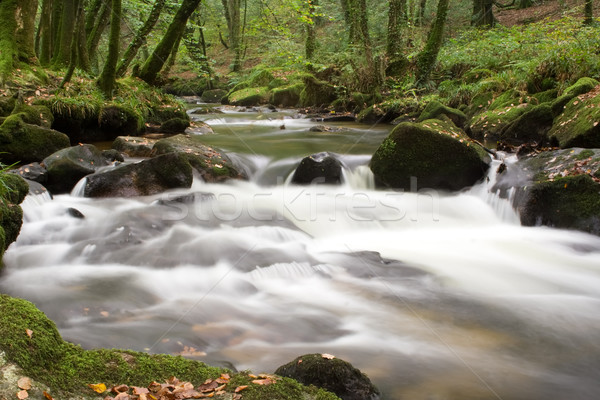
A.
x: 434, y: 296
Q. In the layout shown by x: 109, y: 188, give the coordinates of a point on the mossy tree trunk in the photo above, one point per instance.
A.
x: 588, y: 12
x: 44, y: 34
x: 93, y: 38
x: 106, y: 81
x: 17, y: 35
x: 427, y: 57
x: 311, y: 32
x: 233, y: 16
x: 140, y: 37
x: 483, y: 15
x: 62, y: 48
x: 159, y: 56
x: 396, y: 19
x: 421, y: 14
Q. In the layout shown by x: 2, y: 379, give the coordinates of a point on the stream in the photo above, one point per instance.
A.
x: 432, y: 295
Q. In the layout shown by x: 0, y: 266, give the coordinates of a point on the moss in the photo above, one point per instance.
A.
x: 587, y: 153
x: 435, y: 109
x: 282, y: 389
x: 250, y: 96
x: 117, y: 120
x: 287, y: 96
x: 175, y: 125
x: 316, y: 93
x: 7, y: 105
x: 583, y: 85
x: 547, y: 96
x: 578, y: 125
x: 531, y: 126
x: 489, y: 125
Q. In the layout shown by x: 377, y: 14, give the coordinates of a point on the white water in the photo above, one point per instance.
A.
x: 463, y: 304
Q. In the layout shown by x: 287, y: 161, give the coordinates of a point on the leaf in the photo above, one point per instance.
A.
x: 264, y: 382
x: 328, y: 356
x: 98, y: 387
x: 24, y: 383
x: 47, y: 396
x: 240, y: 388
x: 120, y: 389
x: 29, y: 332
x: 22, y: 395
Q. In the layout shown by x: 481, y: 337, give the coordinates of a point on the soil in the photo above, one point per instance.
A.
x: 550, y: 9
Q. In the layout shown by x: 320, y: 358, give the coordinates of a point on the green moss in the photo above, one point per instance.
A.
x: 175, y: 125
x: 282, y: 389
x: 578, y: 125
x: 489, y: 125
x: 531, y: 126
x: 587, y: 153
x: 547, y: 96
x: 435, y: 109
x: 316, y: 92
x: 583, y: 85
x: 288, y: 96
x: 250, y: 96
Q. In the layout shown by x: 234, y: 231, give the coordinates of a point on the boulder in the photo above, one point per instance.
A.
x: 116, y: 120
x: 26, y: 143
x: 326, y: 128
x: 435, y: 152
x: 582, y: 86
x: 33, y: 172
x: 148, y: 177
x: 212, y: 164
x: 332, y: 374
x: 288, y: 96
x: 174, y: 125
x: 435, y: 109
x: 559, y: 188
x: 213, y: 95
x: 488, y: 125
x: 134, y: 146
x: 249, y: 96
x: 316, y: 93
x: 11, y: 215
x: 199, y: 128
x: 531, y: 126
x: 67, y: 166
x: 579, y: 123
x: 321, y: 168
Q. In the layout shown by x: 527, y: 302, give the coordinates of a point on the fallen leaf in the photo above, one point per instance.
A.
x: 104, y: 313
x: 47, y: 396
x: 98, y: 387
x: 208, y: 386
x: 22, y: 395
x: 29, y: 332
x: 264, y: 382
x: 328, y: 356
x: 139, y: 390
x: 240, y: 388
x: 120, y: 389
x: 24, y: 383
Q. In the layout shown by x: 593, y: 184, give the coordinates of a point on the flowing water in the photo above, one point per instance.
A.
x: 433, y: 295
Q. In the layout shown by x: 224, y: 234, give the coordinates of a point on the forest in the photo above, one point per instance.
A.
x: 367, y: 199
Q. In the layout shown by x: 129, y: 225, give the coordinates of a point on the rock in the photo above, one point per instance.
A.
x: 75, y: 213
x: 26, y: 143
x: 213, y: 95
x: 558, y: 188
x: 435, y: 152
x: 582, y: 86
x: 175, y: 125
x: 330, y: 373
x: 205, y: 110
x: 321, y: 168
x: 324, y: 128
x: 316, y: 93
x: 67, y: 166
x: 152, y: 176
x: 11, y: 214
x: 134, y: 146
x: 249, y: 96
x: 288, y: 96
x: 33, y: 172
x: 531, y: 126
x: 489, y: 125
x: 212, y: 164
x: 112, y: 155
x: 199, y: 128
x: 579, y: 124
x: 434, y: 110
x: 117, y: 120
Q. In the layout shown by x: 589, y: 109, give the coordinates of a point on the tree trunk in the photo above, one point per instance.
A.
x: 483, y: 15
x: 17, y: 35
x: 311, y: 33
x: 588, y: 12
x: 421, y: 15
x: 396, y: 19
x: 140, y: 38
x: 156, y: 61
x: 45, y: 33
x: 106, y: 81
x: 234, y: 28
x: 93, y: 38
x: 427, y: 57
x: 75, y: 45
x: 66, y: 35
x: 172, y: 57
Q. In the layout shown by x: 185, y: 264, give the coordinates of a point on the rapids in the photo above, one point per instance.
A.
x: 432, y: 295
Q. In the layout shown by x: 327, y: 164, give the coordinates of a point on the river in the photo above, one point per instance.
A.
x: 432, y: 295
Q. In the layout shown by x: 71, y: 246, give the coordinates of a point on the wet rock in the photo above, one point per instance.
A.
x: 530, y: 127
x: 213, y: 95
x: 330, y: 373
x: 152, y: 176
x: 175, y: 125
x: 212, y: 164
x: 434, y: 154
x: 75, y: 213
x: 199, y: 128
x: 66, y: 167
x: 321, y: 168
x: 325, y: 128
x: 33, y: 172
x: 112, y: 155
x: 316, y: 93
x: 134, y: 146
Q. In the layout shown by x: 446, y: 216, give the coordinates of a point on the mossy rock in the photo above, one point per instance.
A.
x: 7, y: 105
x: 479, y: 103
x: 397, y: 67
x: 330, y: 373
x: 530, y: 127
x: 67, y: 166
x: 316, y: 93
x: 249, y: 97
x: 30, y: 341
x: 582, y: 86
x: 175, y: 125
x: 185, y: 86
x: 435, y: 152
x: 14, y: 189
x: 489, y: 125
x: 579, y: 124
x: 547, y: 96
x: 134, y: 146
x: 25, y: 143
x: 212, y: 164
x: 115, y: 120
x: 213, y: 95
x: 35, y: 115
x: 434, y: 110
x: 288, y: 96
x: 164, y: 113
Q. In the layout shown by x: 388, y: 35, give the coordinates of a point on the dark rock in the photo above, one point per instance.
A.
x: 213, y: 95
x: 112, y: 155
x: 33, y: 172
x: 75, y: 213
x: 212, y: 164
x: 324, y: 128
x: 66, y: 167
x: 321, y: 168
x: 147, y: 177
x: 118, y: 120
x: 332, y: 374
x: 134, y: 146
x: 433, y: 154
x: 25, y: 143
x: 531, y: 126
x: 316, y: 93
x: 175, y: 125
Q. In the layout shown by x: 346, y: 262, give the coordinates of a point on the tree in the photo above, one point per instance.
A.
x: 66, y: 30
x: 96, y: 29
x: 17, y: 35
x: 140, y: 38
x: 588, y: 12
x: 44, y: 33
x: 396, y: 19
x: 106, y: 81
x: 427, y: 57
x: 234, y: 28
x: 157, y: 59
x: 310, y: 44
x: 483, y: 15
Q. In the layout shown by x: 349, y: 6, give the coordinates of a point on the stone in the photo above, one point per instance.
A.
x: 321, y: 168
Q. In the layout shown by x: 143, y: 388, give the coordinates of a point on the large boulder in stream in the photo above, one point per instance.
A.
x: 151, y: 176
x: 212, y: 164
x: 434, y: 154
x: 67, y: 166
x: 134, y: 146
x: 332, y: 374
x: 318, y: 168
x: 558, y: 188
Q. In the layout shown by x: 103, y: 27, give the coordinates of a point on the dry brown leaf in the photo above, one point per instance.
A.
x: 208, y: 386
x: 240, y: 388
x: 47, y: 396
x: 139, y: 390
x: 264, y: 382
x: 29, y: 332
x: 123, y: 396
x: 98, y: 387
x: 24, y: 383
x: 22, y: 395
x: 328, y: 356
